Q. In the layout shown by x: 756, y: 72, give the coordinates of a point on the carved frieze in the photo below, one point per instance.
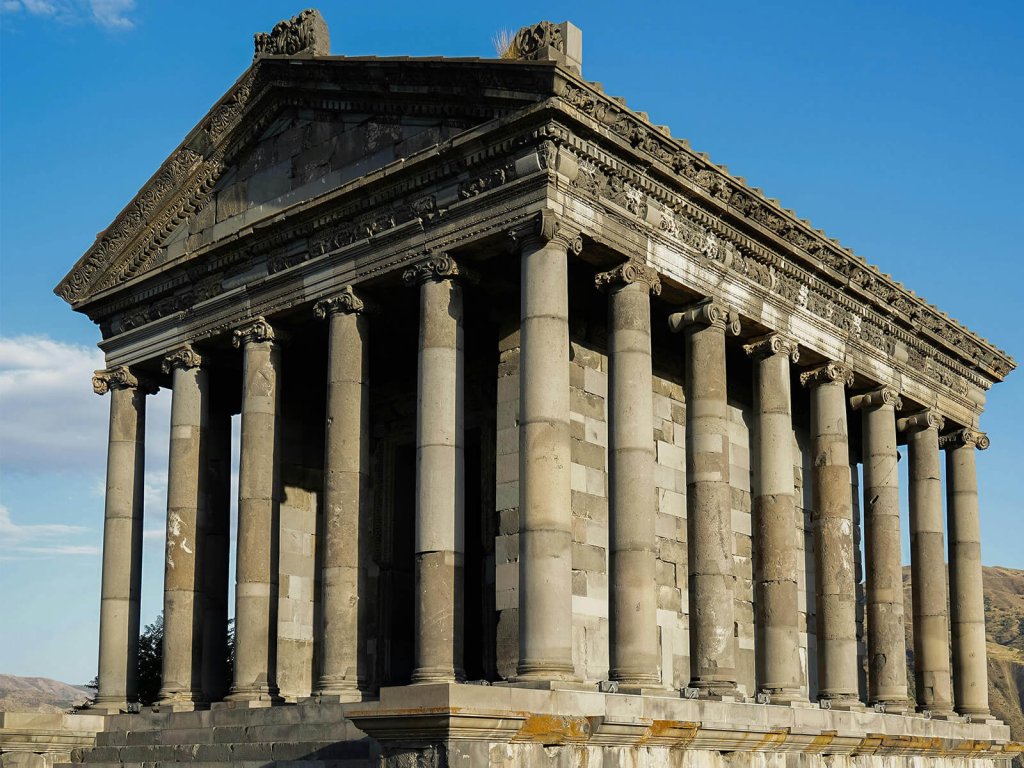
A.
x: 886, y: 293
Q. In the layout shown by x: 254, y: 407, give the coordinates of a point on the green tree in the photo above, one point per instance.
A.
x: 151, y: 661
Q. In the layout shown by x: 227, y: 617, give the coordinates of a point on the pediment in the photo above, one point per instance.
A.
x: 290, y: 130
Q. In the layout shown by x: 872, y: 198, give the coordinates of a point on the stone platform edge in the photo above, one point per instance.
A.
x: 441, y: 713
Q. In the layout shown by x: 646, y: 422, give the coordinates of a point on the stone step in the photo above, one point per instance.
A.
x: 353, y: 763
x: 309, y: 749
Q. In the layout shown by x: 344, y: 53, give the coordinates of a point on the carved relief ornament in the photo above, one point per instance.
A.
x: 773, y: 344
x: 256, y: 331
x: 120, y: 377
x: 628, y: 273
x: 926, y: 419
x: 708, y: 312
x: 439, y: 267
x: 182, y: 357
x: 306, y: 33
x: 530, y: 42
x: 346, y: 302
x: 965, y: 437
x: 877, y: 398
x: 832, y: 372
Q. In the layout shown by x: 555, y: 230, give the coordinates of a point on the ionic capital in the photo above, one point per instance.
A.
x: 926, y: 419
x: 182, y: 357
x: 120, y: 377
x: 347, y: 301
x: 627, y: 273
x: 256, y: 331
x: 962, y: 437
x: 877, y: 398
x: 830, y: 373
x: 549, y: 227
x: 773, y: 344
x: 439, y: 267
x: 708, y: 312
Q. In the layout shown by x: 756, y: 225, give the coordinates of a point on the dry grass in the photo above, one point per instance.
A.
x: 505, y: 44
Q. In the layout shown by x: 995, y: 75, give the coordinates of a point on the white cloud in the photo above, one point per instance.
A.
x: 18, y: 541
x: 109, y: 14
x: 113, y: 14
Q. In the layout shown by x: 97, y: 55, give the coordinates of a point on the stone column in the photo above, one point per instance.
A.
x: 343, y: 575
x: 928, y: 565
x: 633, y: 626
x: 440, y: 473
x: 709, y: 498
x: 834, y: 565
x: 181, y: 687
x: 256, y: 591
x: 545, y: 456
x: 966, y: 597
x: 122, y: 538
x: 776, y: 573
x: 887, y: 645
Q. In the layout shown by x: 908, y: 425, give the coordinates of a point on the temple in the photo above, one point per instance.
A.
x: 559, y: 444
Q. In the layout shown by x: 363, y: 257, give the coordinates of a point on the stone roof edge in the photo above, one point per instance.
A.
x: 723, y: 188
x: 200, y: 153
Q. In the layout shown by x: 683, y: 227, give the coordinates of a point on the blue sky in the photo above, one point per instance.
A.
x: 893, y: 126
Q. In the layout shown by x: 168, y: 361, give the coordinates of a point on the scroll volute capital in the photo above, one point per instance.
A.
x: 877, y: 398
x: 347, y: 302
x: 926, y: 419
x: 773, y: 344
x: 965, y: 437
x: 709, y: 312
x: 121, y: 377
x: 832, y: 372
x: 549, y: 227
x: 628, y: 273
x: 256, y: 331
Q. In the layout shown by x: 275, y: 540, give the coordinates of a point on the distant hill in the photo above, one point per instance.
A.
x: 1004, y: 624
x: 39, y: 694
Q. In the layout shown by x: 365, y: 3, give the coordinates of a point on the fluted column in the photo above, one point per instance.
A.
x: 928, y: 565
x: 709, y: 498
x: 887, y: 645
x: 181, y: 687
x: 343, y: 575
x: 545, y: 456
x: 775, y: 530
x: 256, y: 589
x: 122, y: 538
x: 966, y: 595
x: 834, y: 575
x: 440, y: 473
x: 633, y: 627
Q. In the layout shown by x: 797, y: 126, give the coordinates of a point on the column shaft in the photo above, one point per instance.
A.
x: 122, y: 540
x: 633, y: 627
x: 887, y: 646
x: 545, y: 460
x: 183, y: 589
x: 256, y: 579
x: 928, y: 566
x: 709, y: 503
x: 343, y: 575
x: 966, y: 594
x: 775, y: 527
x: 440, y: 481
x: 834, y: 575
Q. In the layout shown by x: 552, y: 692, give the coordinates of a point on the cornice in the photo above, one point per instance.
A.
x: 779, y: 226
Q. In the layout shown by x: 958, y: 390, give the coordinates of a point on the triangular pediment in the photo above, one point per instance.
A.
x: 288, y: 131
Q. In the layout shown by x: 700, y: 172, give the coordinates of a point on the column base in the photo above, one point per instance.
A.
x: 429, y: 675
x: 544, y: 671
x: 977, y: 716
x: 891, y: 706
x: 713, y: 690
x: 943, y: 713
x: 249, y: 698
x: 111, y: 706
x: 782, y: 697
x: 841, y: 703
x: 180, y: 701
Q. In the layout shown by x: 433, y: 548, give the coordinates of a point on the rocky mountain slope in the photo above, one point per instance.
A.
x: 38, y: 694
